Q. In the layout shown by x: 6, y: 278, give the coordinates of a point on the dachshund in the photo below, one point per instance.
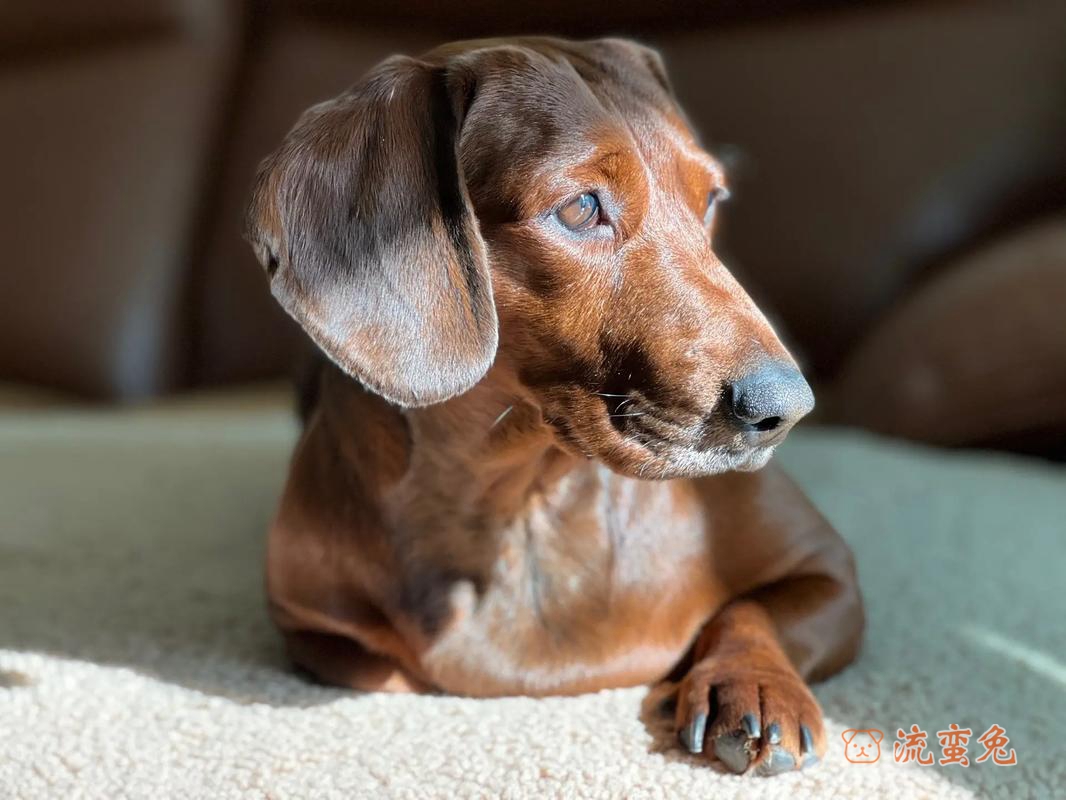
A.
x: 534, y: 459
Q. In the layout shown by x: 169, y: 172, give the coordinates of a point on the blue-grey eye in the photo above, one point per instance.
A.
x: 714, y: 197
x: 581, y: 213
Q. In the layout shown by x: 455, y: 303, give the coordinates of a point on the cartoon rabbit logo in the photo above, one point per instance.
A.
x: 862, y: 746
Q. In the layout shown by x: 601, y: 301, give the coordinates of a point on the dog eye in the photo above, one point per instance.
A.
x: 581, y: 213
x: 717, y: 195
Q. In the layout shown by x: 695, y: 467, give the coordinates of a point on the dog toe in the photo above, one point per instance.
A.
x: 777, y: 760
x: 764, y: 726
x: 692, y: 734
x: 735, y: 750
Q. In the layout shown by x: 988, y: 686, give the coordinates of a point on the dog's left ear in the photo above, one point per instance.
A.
x: 876, y: 735
x: 363, y: 221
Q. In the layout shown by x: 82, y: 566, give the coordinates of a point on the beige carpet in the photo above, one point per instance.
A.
x: 136, y: 660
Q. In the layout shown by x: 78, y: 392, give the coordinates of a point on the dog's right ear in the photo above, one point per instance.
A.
x: 363, y: 222
x: 848, y: 735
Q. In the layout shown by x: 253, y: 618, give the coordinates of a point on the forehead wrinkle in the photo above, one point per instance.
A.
x: 668, y: 156
x: 649, y: 121
x: 563, y: 173
x: 572, y: 107
x: 656, y: 175
x: 616, y: 108
x: 650, y: 187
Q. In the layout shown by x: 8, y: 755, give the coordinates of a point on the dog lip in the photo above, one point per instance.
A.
x: 776, y: 439
x: 746, y: 454
x: 755, y: 459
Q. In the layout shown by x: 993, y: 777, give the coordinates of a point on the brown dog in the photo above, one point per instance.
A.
x: 508, y: 245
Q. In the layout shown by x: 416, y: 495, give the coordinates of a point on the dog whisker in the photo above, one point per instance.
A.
x: 633, y: 414
x: 499, y: 419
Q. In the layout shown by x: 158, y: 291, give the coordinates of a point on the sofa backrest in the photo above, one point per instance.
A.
x: 868, y: 144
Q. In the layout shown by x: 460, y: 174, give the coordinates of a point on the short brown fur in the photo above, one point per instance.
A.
x: 534, y: 486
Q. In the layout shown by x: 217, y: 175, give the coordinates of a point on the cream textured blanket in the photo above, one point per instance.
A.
x: 136, y: 660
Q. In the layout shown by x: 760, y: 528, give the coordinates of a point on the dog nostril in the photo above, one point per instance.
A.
x: 768, y: 424
x: 772, y: 397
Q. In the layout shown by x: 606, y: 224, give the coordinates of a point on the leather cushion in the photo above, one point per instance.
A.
x: 976, y: 356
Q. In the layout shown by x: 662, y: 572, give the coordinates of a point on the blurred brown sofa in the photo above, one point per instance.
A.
x: 899, y: 177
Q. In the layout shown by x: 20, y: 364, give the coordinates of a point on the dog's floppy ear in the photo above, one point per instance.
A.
x: 363, y: 222
x: 876, y: 735
x: 848, y: 735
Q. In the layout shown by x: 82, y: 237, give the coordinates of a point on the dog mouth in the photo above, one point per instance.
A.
x: 668, y: 458
x: 637, y: 437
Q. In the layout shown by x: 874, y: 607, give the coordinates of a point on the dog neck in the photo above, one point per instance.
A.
x: 487, y: 453
x: 488, y: 450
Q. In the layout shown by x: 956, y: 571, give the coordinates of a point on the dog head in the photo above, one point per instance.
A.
x: 543, y: 205
x: 862, y: 746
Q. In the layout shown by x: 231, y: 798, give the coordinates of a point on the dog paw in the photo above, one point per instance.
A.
x: 752, y: 720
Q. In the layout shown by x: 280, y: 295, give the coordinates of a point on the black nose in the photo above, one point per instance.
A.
x: 774, y: 397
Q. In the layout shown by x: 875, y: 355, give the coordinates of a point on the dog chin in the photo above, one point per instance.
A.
x: 683, y: 462
x: 695, y: 464
x: 756, y: 459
